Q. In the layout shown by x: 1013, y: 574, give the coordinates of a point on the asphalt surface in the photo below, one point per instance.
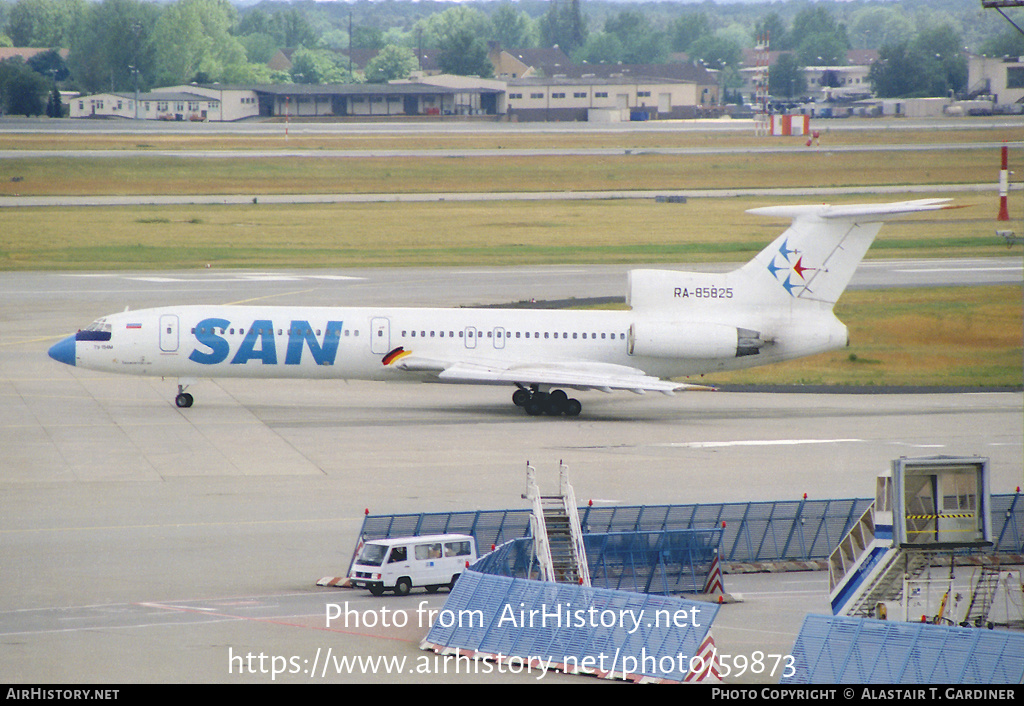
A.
x: 147, y: 544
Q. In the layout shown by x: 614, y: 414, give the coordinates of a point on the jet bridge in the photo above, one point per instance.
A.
x: 924, y: 509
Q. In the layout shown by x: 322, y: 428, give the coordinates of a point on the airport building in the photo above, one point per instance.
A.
x: 590, y: 97
x: 1001, y: 78
x: 194, y: 103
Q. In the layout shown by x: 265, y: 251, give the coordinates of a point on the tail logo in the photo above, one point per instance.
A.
x: 785, y: 264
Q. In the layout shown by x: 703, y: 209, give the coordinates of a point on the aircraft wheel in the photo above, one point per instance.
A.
x: 520, y: 397
x: 556, y: 403
x: 534, y: 407
x: 184, y: 400
x: 573, y: 407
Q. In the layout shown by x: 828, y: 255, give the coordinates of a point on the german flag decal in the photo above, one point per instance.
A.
x: 394, y: 355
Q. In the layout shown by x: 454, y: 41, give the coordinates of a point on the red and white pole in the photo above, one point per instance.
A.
x: 1004, y: 185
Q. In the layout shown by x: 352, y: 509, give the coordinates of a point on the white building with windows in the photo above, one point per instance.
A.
x: 194, y: 103
x: 606, y: 99
x: 1002, y: 78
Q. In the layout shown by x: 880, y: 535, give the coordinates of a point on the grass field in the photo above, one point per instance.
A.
x: 946, y: 336
x: 430, y: 234
x: 943, y: 336
x: 517, y: 174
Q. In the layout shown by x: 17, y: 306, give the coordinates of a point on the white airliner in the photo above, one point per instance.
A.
x: 776, y: 307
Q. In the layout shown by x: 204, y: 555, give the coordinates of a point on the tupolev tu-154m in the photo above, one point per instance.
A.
x: 776, y: 307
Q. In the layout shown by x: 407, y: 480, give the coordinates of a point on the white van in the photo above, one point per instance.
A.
x: 400, y: 563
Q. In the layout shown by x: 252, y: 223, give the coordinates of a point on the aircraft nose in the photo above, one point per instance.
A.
x: 64, y: 352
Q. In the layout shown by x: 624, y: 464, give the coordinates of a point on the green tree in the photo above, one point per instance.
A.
x: 687, y: 29
x: 716, y: 52
x: 1009, y: 43
x: 822, y: 49
x: 874, y: 27
x: 440, y: 29
x: 193, y: 37
x: 22, y: 90
x: 319, y: 66
x: 292, y: 29
x: 44, y: 23
x: 49, y: 64
x: 54, y: 105
x: 390, y: 64
x: 818, y: 38
x: 600, y: 48
x: 367, y: 38
x: 929, y: 65
x: 641, y: 42
x: 563, y: 26
x: 513, y: 29
x: 464, y: 54
x: 786, y: 77
x: 773, y: 27
x: 259, y: 47
x: 114, y: 36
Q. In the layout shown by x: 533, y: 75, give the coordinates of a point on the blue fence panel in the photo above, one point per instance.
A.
x: 762, y: 531
x: 842, y: 650
x: 644, y: 562
x: 633, y: 635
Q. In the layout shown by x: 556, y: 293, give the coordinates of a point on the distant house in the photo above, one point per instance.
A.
x: 523, y: 63
x: 281, y: 60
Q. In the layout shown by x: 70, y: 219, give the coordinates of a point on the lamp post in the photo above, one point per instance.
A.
x: 135, y: 73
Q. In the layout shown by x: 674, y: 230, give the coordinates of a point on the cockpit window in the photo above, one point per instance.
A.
x: 98, y: 330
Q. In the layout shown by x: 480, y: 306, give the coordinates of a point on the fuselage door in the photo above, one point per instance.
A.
x: 169, y: 333
x: 499, y: 337
x: 380, y: 335
x: 469, y: 336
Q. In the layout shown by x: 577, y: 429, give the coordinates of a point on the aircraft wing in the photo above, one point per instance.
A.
x: 579, y: 375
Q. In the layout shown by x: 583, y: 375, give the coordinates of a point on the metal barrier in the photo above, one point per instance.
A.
x: 660, y: 562
x: 762, y: 531
x: 834, y: 650
x: 539, y: 625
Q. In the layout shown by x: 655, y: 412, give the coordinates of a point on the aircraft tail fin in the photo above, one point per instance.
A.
x: 815, y: 258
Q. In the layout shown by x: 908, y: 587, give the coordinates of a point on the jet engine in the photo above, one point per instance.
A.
x: 692, y: 340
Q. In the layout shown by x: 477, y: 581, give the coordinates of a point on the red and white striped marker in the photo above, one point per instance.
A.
x: 1004, y: 185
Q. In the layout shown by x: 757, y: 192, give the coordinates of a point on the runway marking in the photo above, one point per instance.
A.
x: 767, y: 442
x: 222, y: 277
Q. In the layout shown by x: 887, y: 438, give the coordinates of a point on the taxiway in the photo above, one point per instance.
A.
x: 143, y: 543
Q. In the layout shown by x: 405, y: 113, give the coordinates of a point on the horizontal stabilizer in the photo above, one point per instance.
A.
x: 860, y: 212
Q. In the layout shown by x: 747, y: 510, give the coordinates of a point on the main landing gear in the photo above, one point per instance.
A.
x: 551, y: 403
x: 183, y: 399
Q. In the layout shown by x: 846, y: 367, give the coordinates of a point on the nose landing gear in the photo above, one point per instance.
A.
x: 183, y: 399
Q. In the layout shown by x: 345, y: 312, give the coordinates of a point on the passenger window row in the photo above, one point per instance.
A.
x: 280, y: 332
x: 593, y: 336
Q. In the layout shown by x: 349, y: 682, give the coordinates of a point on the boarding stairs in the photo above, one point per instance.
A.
x: 868, y: 568
x: 557, y: 535
x: 981, y: 597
